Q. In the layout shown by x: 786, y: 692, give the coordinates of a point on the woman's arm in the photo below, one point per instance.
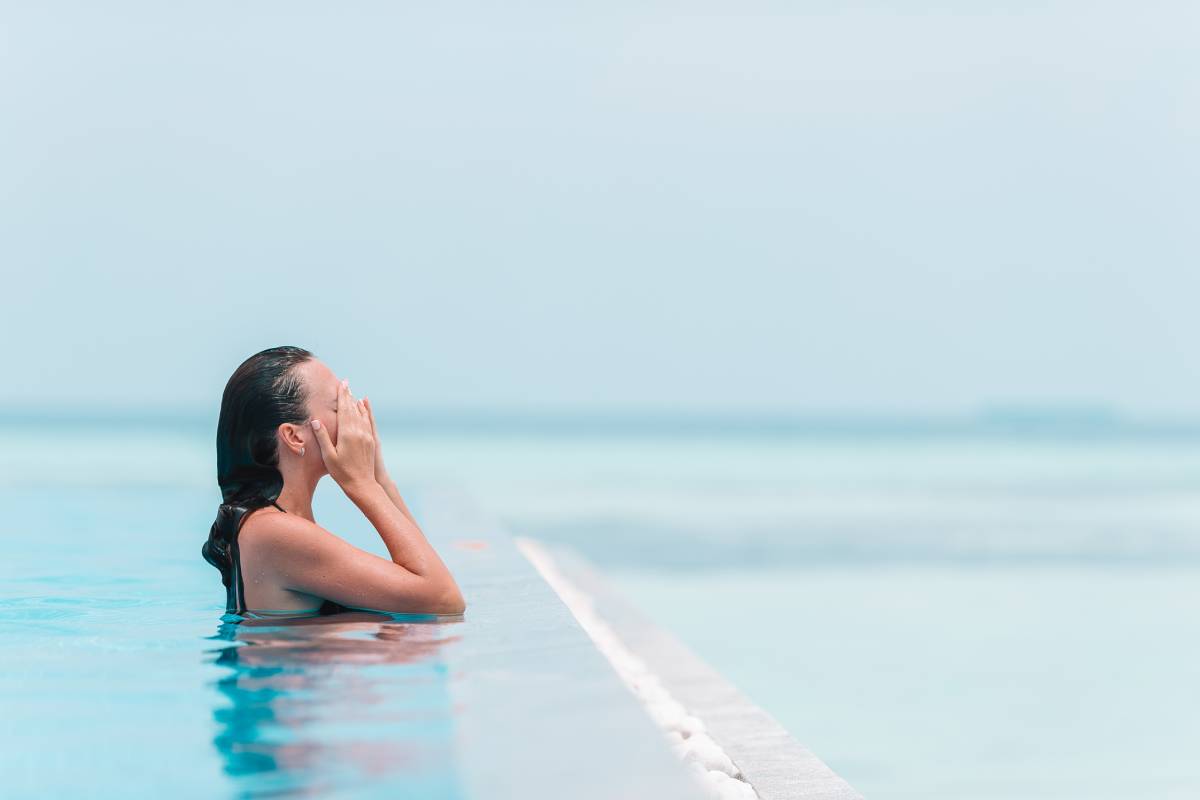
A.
x: 305, y: 557
x: 389, y: 488
x: 405, y: 542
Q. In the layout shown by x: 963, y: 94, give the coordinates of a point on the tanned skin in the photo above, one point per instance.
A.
x: 290, y: 563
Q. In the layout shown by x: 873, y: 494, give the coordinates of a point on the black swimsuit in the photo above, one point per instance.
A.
x: 235, y: 593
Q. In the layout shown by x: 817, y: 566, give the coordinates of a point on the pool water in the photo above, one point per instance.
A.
x: 935, y: 616
x: 122, y: 677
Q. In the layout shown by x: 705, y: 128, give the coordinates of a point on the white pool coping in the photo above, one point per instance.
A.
x: 686, y: 733
x: 742, y: 751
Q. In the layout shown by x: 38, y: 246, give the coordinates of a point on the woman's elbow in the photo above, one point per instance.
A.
x: 453, y: 602
x: 446, y: 599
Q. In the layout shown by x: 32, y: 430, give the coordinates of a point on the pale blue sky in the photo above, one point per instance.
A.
x: 814, y: 207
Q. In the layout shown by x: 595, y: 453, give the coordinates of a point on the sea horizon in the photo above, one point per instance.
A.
x: 1051, y: 421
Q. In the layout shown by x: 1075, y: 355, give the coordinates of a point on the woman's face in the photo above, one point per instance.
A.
x: 322, y: 387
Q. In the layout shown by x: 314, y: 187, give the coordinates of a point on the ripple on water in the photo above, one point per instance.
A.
x: 27, y: 610
x: 35, y: 609
x: 75, y: 580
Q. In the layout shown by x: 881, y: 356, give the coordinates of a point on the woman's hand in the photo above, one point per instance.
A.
x: 352, y: 462
x: 380, y: 470
x: 381, y: 475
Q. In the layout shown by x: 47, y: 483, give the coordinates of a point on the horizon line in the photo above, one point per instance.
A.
x: 1011, y: 419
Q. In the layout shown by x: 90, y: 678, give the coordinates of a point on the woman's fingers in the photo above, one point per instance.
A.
x: 371, y: 417
x: 346, y: 410
x: 355, y: 415
x: 355, y: 403
x: 353, y: 461
x: 324, y: 442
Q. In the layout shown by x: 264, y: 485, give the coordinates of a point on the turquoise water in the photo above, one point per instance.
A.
x: 123, y: 678
x: 936, y: 613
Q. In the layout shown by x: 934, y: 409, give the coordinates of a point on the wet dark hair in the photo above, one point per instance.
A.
x: 264, y: 392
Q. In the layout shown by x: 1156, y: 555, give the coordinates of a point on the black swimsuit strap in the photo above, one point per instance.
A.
x: 277, y: 506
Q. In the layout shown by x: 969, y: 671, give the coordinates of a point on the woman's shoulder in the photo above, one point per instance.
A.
x: 269, y: 527
x: 268, y: 519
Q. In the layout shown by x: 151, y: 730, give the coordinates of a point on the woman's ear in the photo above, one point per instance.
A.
x: 292, y: 437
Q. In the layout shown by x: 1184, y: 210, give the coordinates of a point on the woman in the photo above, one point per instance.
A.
x: 286, y: 421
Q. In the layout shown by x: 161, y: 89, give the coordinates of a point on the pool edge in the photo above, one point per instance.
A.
x: 774, y: 763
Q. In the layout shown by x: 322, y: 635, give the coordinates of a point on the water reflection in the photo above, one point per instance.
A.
x: 353, y: 703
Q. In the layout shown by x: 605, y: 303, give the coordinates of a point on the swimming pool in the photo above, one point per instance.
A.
x: 122, y: 677
x: 934, y: 616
